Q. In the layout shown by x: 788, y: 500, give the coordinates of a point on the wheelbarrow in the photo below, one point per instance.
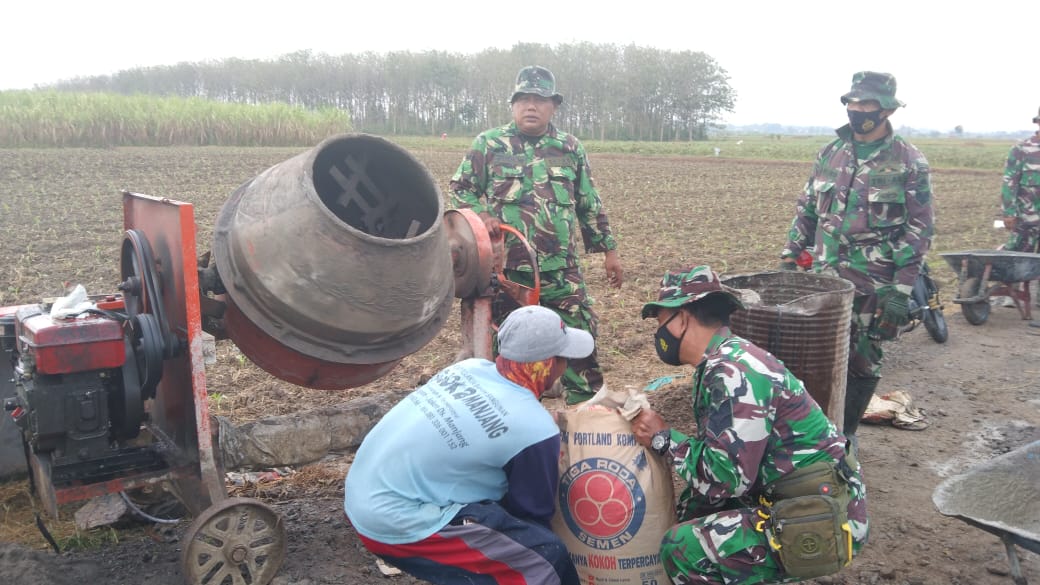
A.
x: 976, y: 269
x: 999, y: 496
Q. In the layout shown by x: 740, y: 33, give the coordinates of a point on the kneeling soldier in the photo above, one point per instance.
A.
x: 772, y: 493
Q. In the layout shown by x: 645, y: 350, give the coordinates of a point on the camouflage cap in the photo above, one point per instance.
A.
x: 537, y: 80
x: 686, y: 285
x: 870, y: 85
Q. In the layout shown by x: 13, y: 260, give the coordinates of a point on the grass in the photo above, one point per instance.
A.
x: 64, y: 119
x: 947, y: 153
x: 47, y: 119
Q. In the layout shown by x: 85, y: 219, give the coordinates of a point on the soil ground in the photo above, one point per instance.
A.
x: 980, y: 390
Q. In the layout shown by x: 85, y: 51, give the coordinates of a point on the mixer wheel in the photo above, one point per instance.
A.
x: 235, y: 541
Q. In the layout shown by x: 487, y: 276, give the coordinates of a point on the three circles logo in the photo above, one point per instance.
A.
x: 602, y: 502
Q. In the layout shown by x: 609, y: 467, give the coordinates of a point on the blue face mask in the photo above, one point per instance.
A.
x: 666, y: 344
x: 864, y: 122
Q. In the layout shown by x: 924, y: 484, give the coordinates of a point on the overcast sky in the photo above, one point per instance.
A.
x: 974, y: 65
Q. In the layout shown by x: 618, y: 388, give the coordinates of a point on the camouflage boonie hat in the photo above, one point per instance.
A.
x: 1036, y: 118
x: 537, y: 80
x: 870, y: 85
x: 686, y: 285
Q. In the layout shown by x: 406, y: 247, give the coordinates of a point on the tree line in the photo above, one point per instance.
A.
x: 610, y: 92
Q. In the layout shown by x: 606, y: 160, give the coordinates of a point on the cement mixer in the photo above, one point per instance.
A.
x: 326, y: 270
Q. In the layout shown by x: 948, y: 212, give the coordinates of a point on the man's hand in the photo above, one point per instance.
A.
x: 612, y: 266
x: 893, y: 313
x: 1009, y: 223
x: 645, y: 425
x: 493, y: 225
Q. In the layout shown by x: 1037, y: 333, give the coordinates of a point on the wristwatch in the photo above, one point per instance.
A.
x: 661, y: 441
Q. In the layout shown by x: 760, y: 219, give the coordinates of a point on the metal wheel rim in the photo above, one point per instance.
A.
x: 236, y: 541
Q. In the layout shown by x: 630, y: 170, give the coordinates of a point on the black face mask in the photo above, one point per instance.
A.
x: 864, y: 122
x: 666, y: 344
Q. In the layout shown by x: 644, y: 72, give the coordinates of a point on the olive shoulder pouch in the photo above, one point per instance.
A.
x: 811, y: 535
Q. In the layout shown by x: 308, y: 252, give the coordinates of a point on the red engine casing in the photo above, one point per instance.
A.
x: 65, y: 346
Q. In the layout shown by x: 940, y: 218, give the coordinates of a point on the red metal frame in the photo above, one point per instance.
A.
x: 179, y: 413
x: 476, y: 320
x: 475, y: 312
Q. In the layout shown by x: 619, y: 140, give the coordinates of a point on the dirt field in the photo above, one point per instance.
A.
x: 61, y: 223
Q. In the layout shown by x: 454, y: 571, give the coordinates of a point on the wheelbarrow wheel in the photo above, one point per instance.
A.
x: 975, y: 313
x: 234, y: 541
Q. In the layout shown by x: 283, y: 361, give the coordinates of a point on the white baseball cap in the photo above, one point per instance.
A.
x: 535, y: 333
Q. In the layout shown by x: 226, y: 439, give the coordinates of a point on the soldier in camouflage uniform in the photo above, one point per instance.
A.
x: 755, y: 425
x: 536, y: 179
x: 1020, y: 196
x: 867, y: 208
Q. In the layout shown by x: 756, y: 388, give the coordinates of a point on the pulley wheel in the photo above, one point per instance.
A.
x: 125, y: 406
x: 147, y: 340
x: 136, y: 267
x: 236, y: 541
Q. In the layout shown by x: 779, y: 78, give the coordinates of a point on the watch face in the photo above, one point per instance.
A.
x: 658, y: 443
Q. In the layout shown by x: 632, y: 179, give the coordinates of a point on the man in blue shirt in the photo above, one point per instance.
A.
x: 457, y: 483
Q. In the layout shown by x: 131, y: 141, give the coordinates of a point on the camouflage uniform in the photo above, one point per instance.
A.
x: 871, y: 223
x: 755, y: 424
x: 544, y: 189
x: 1020, y: 193
x: 870, y: 217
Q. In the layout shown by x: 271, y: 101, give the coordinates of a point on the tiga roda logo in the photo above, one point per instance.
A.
x: 602, y: 503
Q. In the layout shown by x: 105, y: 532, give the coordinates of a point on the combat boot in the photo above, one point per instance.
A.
x: 858, y: 392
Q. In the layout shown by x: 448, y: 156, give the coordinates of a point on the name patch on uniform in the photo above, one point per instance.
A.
x: 559, y: 161
x: 508, y: 159
x: 888, y: 179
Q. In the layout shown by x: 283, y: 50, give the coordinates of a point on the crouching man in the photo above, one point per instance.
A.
x: 457, y: 483
x: 771, y: 493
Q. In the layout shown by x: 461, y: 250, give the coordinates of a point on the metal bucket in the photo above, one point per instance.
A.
x: 335, y: 262
x: 804, y: 319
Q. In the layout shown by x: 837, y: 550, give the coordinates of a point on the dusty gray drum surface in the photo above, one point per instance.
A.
x: 339, y: 253
x: 1001, y: 493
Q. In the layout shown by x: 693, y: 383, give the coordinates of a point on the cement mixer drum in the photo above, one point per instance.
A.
x: 335, y: 262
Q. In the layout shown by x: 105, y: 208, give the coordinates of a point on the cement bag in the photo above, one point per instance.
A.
x: 616, y: 498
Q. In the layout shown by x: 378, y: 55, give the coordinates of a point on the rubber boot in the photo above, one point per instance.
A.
x: 858, y: 392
